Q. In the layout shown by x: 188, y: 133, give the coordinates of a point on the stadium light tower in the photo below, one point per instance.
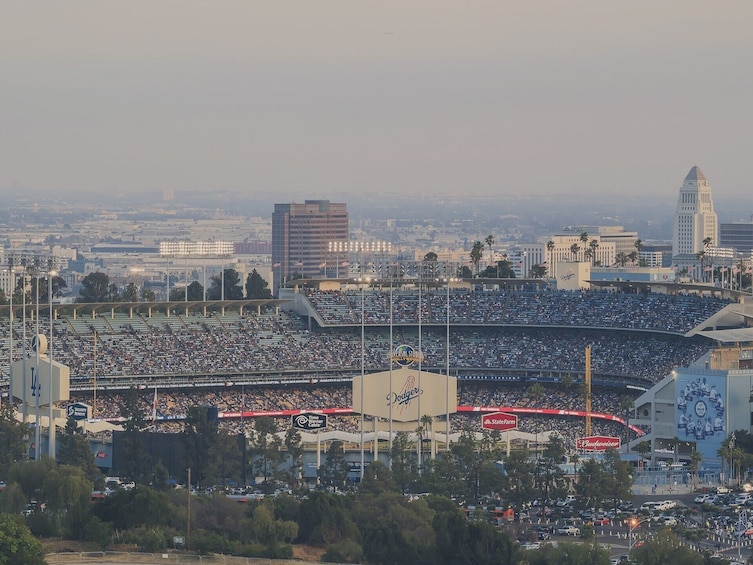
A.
x: 51, y: 274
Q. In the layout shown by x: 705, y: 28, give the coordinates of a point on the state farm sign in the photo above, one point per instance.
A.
x: 499, y: 421
x: 597, y: 443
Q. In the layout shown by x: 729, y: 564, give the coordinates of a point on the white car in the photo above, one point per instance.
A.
x: 702, y: 498
x: 569, y: 531
x: 531, y: 545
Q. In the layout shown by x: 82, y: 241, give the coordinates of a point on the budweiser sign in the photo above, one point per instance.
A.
x: 597, y: 443
x: 499, y: 421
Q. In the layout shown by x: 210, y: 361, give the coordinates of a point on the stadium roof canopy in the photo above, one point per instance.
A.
x: 76, y: 308
x: 735, y: 335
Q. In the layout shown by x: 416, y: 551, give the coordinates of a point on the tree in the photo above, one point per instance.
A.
x: 520, y: 473
x: 199, y: 434
x: 323, y: 519
x: 642, y: 448
x: 256, y: 286
x: 265, y: 447
x: 536, y: 392
x: 476, y: 460
x: 12, y: 435
x: 232, y: 284
x: 621, y: 258
x: 665, y: 547
x: 617, y: 479
x: 477, y: 252
x: 136, y: 464
x: 429, y: 267
x: 633, y: 256
x: 17, y: 544
x: 489, y: 240
x: 194, y: 293
x: 148, y: 295
x: 131, y: 292
x: 73, y: 449
x: 593, y: 245
x: 537, y: 271
x: 403, y: 470
x: 294, y: 449
x: 95, y: 287
x: 574, y: 249
x: 552, y: 475
x: 58, y: 284
x: 334, y: 472
x: 695, y: 460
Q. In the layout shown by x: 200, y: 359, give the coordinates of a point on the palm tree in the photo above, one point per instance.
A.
x: 593, y: 245
x: 536, y: 391
x: 477, y: 253
x: 574, y: 249
x: 574, y: 458
x: 537, y: 271
x: 633, y: 256
x: 706, y: 243
x: 428, y: 428
x: 642, y: 448
x: 621, y: 258
x: 700, y: 256
x: 695, y: 461
x: 490, y: 241
x: 724, y: 452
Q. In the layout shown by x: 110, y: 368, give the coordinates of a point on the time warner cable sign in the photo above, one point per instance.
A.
x: 309, y: 421
x: 398, y: 394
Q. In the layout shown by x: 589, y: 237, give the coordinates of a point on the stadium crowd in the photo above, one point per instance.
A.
x: 506, y: 331
x: 230, y: 350
x: 514, y: 307
x: 173, y: 404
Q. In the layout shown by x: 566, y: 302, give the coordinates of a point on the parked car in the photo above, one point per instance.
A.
x: 603, y: 521
x: 568, y: 531
x: 703, y: 498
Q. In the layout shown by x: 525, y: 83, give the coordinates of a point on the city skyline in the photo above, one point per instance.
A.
x: 334, y: 99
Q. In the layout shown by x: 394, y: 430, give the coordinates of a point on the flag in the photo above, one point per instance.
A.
x: 154, y: 407
x: 344, y: 264
x: 276, y: 265
x: 322, y: 265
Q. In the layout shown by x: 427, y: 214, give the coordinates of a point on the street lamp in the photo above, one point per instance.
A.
x: 634, y: 523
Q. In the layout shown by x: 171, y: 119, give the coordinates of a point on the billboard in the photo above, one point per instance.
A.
x: 31, y: 380
x: 309, y: 421
x: 597, y: 443
x: 499, y: 421
x: 411, y: 390
x: 700, y: 411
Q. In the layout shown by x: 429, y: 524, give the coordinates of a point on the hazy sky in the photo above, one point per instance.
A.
x: 317, y: 98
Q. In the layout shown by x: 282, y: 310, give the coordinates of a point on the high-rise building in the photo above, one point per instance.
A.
x: 695, y: 219
x: 302, y: 235
x: 738, y: 236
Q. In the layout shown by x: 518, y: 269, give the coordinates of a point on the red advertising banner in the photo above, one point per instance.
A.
x: 499, y: 421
